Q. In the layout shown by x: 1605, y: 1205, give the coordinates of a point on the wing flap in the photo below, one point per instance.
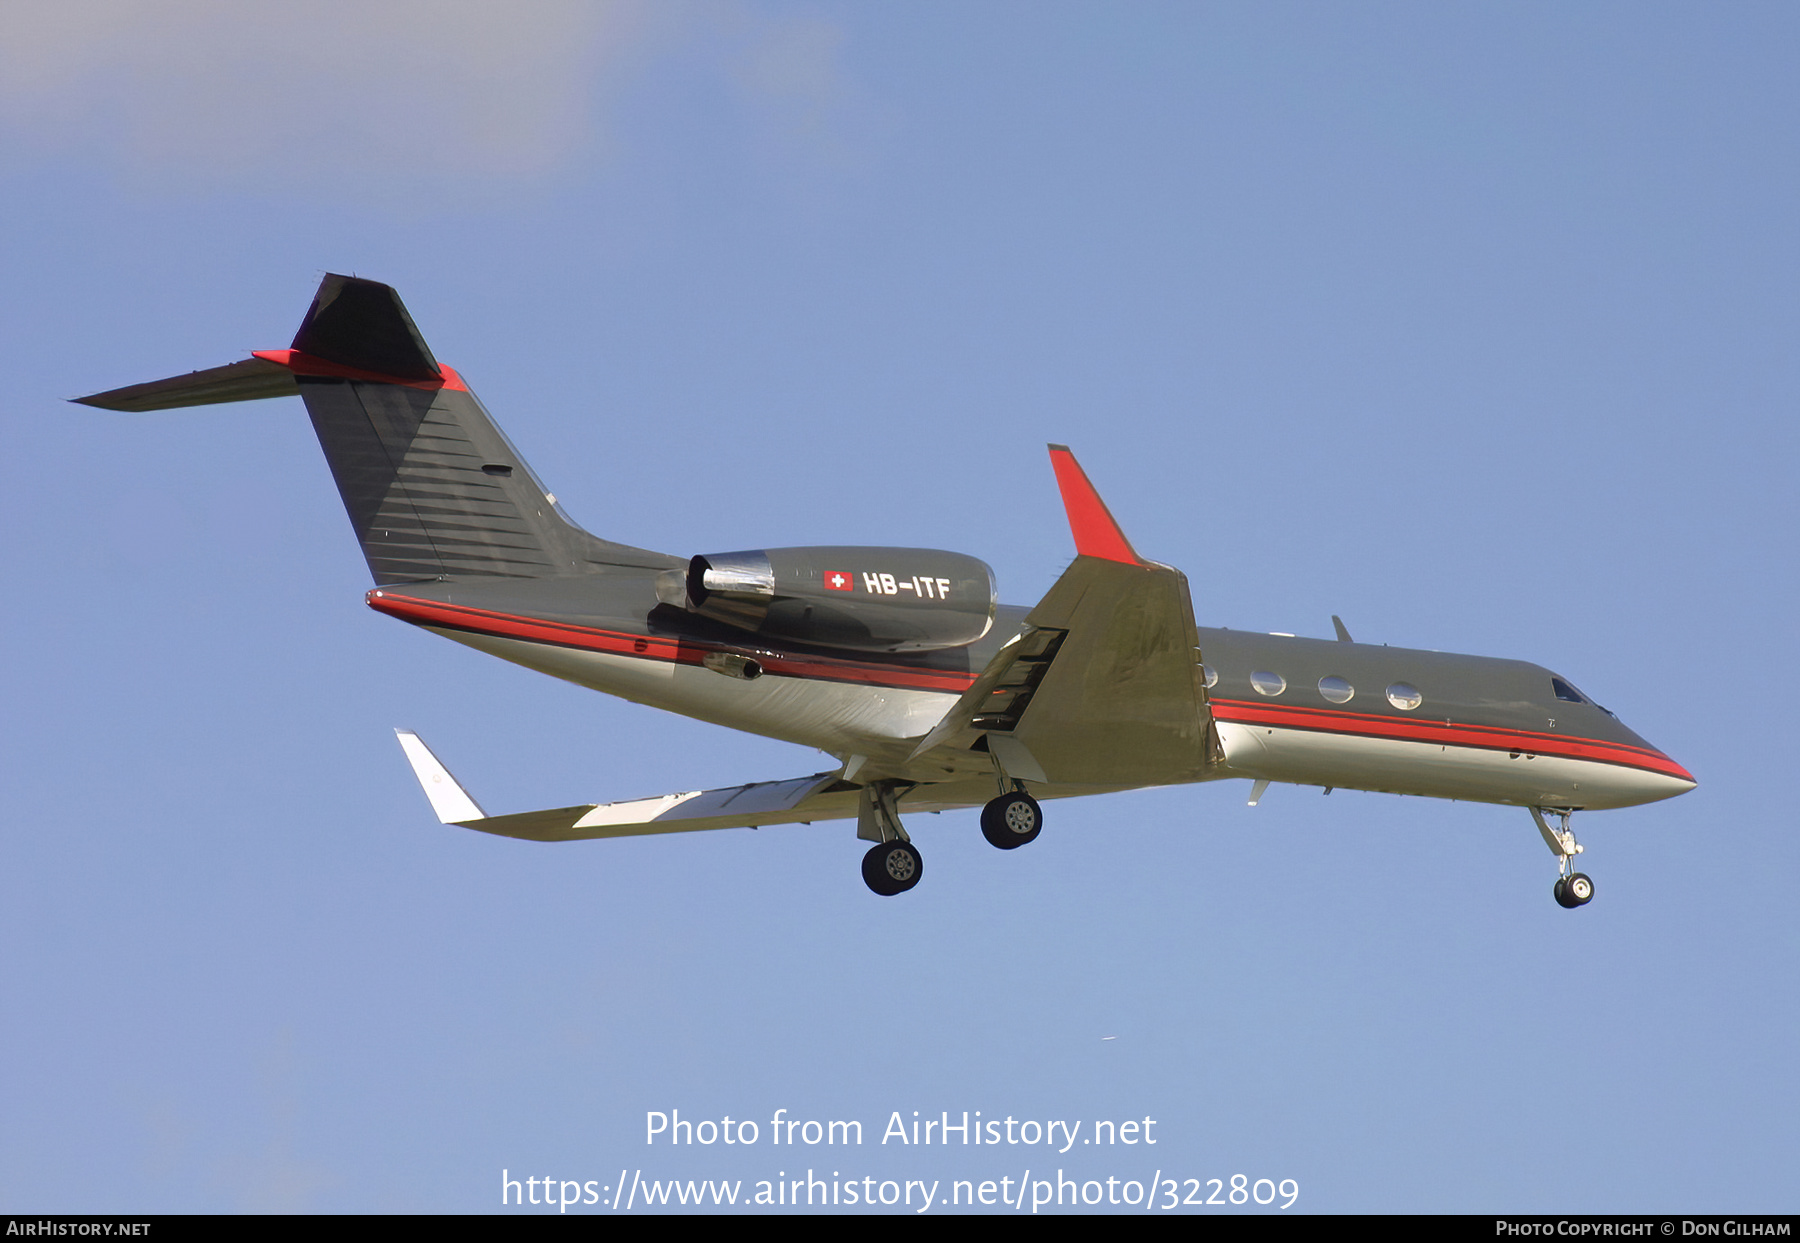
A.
x: 999, y: 693
x: 745, y: 806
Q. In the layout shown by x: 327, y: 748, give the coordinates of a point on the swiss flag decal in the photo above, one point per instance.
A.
x: 838, y: 580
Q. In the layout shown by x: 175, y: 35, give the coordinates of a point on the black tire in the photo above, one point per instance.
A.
x: 1012, y: 820
x: 1561, y: 892
x: 892, y: 867
x: 1579, y: 890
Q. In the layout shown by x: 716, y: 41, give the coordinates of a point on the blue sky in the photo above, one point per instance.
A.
x: 1475, y: 325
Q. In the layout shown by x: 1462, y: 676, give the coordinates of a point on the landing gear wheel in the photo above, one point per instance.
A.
x: 892, y: 867
x: 1573, y: 891
x: 1011, y: 820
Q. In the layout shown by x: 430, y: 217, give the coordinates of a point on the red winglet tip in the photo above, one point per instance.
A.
x: 1096, y: 532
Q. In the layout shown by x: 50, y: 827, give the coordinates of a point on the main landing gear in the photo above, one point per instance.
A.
x: 893, y: 864
x: 1572, y: 888
x: 892, y: 867
x: 1012, y: 820
x: 1013, y: 817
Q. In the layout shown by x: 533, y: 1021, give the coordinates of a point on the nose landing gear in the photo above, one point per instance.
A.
x: 1572, y: 888
x: 1573, y: 891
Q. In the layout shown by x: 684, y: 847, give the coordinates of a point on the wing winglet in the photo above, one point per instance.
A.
x: 1096, y: 531
x: 448, y: 799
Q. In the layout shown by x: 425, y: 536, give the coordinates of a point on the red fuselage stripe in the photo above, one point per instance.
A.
x: 825, y: 668
x: 651, y: 647
x: 1448, y: 733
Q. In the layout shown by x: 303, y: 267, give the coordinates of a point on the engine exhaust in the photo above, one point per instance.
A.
x: 733, y: 665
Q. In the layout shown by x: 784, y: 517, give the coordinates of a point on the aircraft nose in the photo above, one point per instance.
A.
x: 1662, y: 778
x: 1670, y: 786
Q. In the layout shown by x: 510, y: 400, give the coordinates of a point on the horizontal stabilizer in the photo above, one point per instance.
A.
x: 746, y: 806
x: 250, y: 380
x: 355, y: 329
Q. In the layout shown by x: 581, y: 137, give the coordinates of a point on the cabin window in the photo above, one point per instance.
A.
x: 1336, y: 689
x: 1404, y: 697
x: 1270, y: 684
x: 1211, y: 675
x: 1565, y: 692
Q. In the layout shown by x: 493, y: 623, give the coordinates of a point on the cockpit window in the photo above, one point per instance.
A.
x: 1568, y: 694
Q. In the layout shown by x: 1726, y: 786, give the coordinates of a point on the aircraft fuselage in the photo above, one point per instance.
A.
x: 1287, y: 709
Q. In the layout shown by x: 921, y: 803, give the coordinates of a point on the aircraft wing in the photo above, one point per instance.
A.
x: 798, y: 800
x: 1104, y: 685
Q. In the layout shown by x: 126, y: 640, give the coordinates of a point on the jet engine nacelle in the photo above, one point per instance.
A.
x: 865, y: 599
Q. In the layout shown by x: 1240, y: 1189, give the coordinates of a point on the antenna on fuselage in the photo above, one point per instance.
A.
x: 1342, y: 634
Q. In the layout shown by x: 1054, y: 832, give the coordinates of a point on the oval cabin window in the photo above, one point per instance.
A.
x: 1211, y: 675
x: 1404, y: 697
x: 1270, y: 684
x: 1336, y: 689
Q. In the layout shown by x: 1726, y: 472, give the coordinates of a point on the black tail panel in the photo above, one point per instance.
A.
x: 363, y: 324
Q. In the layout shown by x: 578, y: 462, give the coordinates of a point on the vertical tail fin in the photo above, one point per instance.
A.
x: 432, y: 486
